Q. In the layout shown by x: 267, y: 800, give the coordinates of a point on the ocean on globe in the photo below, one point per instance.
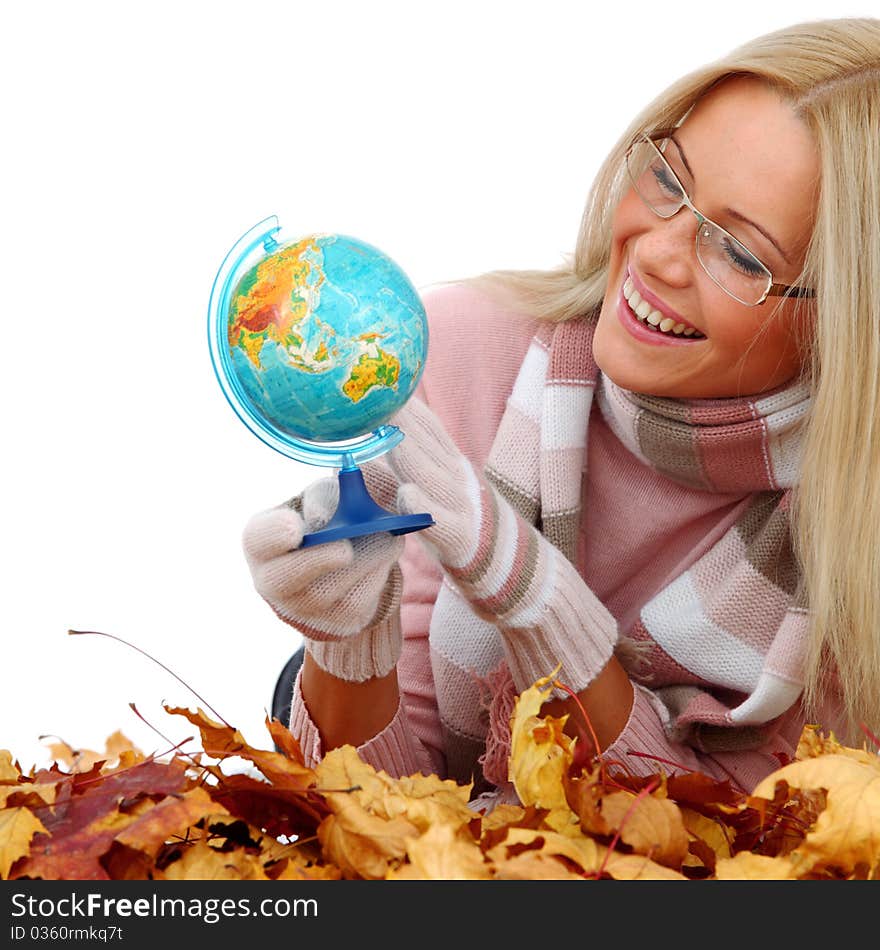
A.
x: 327, y: 337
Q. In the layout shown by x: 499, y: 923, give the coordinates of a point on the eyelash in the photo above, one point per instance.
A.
x: 737, y: 260
x: 745, y: 265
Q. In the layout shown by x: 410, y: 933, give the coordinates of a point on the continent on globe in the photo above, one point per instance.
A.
x: 383, y: 369
x: 327, y: 337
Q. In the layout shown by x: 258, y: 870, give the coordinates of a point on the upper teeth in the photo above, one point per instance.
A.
x: 647, y: 314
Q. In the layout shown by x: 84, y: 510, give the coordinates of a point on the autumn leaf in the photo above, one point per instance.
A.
x: 221, y: 741
x: 846, y: 834
x: 9, y: 771
x: 541, y: 753
x: 17, y: 827
x: 443, y: 854
x: 650, y: 826
x: 203, y: 863
x: 746, y: 866
x: 168, y: 819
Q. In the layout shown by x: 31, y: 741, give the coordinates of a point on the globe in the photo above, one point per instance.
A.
x: 317, y: 342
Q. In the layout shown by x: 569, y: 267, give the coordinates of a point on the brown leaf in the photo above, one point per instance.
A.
x: 278, y: 810
x: 285, y: 740
x: 17, y: 827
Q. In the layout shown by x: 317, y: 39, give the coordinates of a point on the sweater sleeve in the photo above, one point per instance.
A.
x: 643, y: 748
x: 412, y: 741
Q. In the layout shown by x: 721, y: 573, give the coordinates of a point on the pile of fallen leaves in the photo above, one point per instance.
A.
x: 122, y: 815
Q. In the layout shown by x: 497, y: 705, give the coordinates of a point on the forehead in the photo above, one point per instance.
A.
x: 749, y: 151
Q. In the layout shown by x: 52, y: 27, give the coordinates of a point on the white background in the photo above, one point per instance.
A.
x: 138, y: 144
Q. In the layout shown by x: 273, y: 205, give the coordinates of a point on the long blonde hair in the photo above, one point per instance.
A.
x: 829, y: 70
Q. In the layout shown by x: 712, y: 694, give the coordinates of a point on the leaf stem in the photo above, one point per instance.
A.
x: 112, y: 636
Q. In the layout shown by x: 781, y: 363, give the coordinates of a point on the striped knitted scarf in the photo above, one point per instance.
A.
x: 722, y: 645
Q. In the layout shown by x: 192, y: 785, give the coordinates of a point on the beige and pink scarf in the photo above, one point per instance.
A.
x: 722, y: 645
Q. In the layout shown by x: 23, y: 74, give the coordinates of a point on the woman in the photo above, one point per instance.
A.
x: 653, y: 472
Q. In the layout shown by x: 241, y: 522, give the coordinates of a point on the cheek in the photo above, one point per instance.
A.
x: 628, y: 219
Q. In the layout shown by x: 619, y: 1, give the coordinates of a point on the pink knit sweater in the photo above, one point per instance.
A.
x: 642, y: 528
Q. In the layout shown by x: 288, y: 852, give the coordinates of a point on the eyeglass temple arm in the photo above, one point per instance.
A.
x: 785, y: 290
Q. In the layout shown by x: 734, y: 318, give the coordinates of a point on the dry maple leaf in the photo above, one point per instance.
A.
x: 9, y: 770
x: 443, y: 854
x: 650, y: 826
x: 540, y: 752
x: 846, y: 834
x: 17, y: 828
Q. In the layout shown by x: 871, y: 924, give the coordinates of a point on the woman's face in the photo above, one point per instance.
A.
x: 755, y: 172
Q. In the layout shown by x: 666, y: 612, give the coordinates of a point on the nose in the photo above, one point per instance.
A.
x: 666, y: 250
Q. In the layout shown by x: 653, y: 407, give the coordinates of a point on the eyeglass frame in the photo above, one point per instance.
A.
x: 773, y: 290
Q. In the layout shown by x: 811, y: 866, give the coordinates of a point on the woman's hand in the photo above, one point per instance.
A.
x: 510, y: 574
x: 342, y: 596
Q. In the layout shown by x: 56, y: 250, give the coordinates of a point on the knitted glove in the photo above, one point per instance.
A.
x: 510, y: 574
x: 342, y: 596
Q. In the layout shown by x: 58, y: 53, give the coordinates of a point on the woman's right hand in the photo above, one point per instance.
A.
x: 342, y: 596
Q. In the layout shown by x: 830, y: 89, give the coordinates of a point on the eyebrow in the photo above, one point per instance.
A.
x: 730, y: 211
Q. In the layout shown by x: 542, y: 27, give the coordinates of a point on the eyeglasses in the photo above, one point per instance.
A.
x: 729, y: 263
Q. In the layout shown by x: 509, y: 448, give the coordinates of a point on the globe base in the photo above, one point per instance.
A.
x: 357, y: 514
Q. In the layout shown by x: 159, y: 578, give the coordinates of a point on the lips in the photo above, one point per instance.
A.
x: 650, y: 320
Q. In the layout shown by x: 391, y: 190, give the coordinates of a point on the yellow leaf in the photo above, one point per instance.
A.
x: 17, y: 827
x: 45, y: 791
x: 746, y: 866
x: 582, y: 852
x: 709, y: 832
x: 8, y: 769
x: 847, y: 832
x: 441, y: 854
x: 637, y: 867
x: 541, y: 753
x: 363, y: 845
x: 650, y: 826
x: 201, y: 862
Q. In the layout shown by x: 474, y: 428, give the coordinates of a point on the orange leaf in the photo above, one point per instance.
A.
x: 170, y: 818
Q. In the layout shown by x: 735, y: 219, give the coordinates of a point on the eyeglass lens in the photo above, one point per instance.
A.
x: 657, y: 172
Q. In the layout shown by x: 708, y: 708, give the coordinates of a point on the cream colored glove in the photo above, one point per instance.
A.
x: 342, y: 596
x: 510, y: 574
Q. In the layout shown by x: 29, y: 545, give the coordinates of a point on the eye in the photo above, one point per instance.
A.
x: 665, y: 180
x: 741, y: 259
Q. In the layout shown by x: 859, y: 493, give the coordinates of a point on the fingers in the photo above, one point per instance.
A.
x: 320, y: 500
x: 381, y: 482
x: 269, y: 534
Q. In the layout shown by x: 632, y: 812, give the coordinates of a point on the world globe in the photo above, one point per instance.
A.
x: 317, y: 342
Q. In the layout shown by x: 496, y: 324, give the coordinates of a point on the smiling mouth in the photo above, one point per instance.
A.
x: 653, y: 319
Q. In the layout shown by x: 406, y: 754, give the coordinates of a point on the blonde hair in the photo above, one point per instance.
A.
x: 829, y: 70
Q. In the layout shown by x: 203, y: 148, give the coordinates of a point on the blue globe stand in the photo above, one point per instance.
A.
x: 357, y: 514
